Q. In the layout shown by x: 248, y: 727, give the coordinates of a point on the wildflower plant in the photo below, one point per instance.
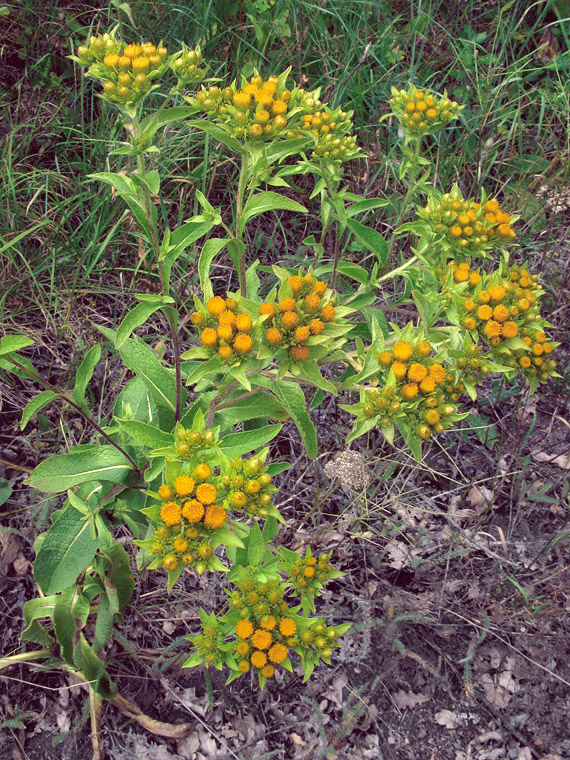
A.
x: 196, y: 494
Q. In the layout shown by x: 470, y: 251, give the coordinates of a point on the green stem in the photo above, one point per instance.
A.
x: 170, y: 313
x: 38, y: 654
x: 414, y: 171
x: 78, y: 409
x: 238, y: 225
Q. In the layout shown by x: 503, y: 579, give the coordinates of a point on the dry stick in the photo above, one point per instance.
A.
x: 72, y: 403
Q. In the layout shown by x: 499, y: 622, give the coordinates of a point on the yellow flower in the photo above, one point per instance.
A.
x: 385, y: 358
x: 302, y: 334
x: 183, y: 485
x: 244, y: 666
x: 492, y: 329
x: 243, y: 343
x: 268, y: 671
x: 170, y: 562
x: 500, y: 313
x: 525, y: 362
x: 402, y: 351
x: 216, y: 305
x: 268, y: 623
x: 497, y: 292
x: 180, y: 544
x: 510, y: 330
x: 261, y: 639
x: 202, y: 471
x: 278, y: 653
x: 215, y: 516
x: 193, y: 511
x: 165, y: 492
x: 437, y: 373
x: 242, y: 648
x: 206, y: 493
x: 287, y: 626
x: 423, y: 348
x: 299, y: 353
x: 267, y: 308
x: 287, y: 304
x: 170, y: 513
x: 244, y: 629
x: 290, y: 320
x: 316, y: 327
x: 399, y: 369
x: 227, y: 317
x: 484, y: 312
x: 243, y: 322
x: 209, y: 336
x: 273, y: 336
x: 410, y: 390
x: 258, y: 659
x: 427, y: 385
x: 417, y: 372
x: 327, y: 313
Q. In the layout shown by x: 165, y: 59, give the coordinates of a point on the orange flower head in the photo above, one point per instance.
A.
x: 409, y: 391
x: 243, y: 322
x: 170, y: 563
x: 327, y: 313
x: 295, y: 283
x: 216, y: 306
x: 225, y: 332
x: 183, y: 485
x: 437, y: 373
x: 290, y: 320
x: 469, y: 304
x: 215, y: 516
x: 193, y: 511
x: 244, y: 666
x: 399, y: 369
x: 385, y: 358
x: 209, y: 337
x: 202, y: 471
x: 525, y: 362
x: 278, y: 653
x: 243, y: 343
x: 225, y: 352
x: 242, y: 648
x: 320, y: 288
x: 261, y: 639
x: 492, y: 329
x: 500, y: 313
x: 287, y: 627
x: 268, y: 671
x: 484, y: 312
x: 227, y: 317
x: 427, y: 385
x: 287, y: 304
x: 510, y: 330
x: 165, y: 492
x: 417, y: 372
x: 258, y: 659
x: 474, y: 278
x: 316, y: 327
x: 180, y: 544
x: 299, y: 353
x: 497, y: 292
x: 231, y: 304
x: 170, y: 513
x: 312, y: 302
x: 267, y: 308
x: 244, y: 629
x: 268, y: 623
x: 302, y: 334
x: 206, y: 493
x: 197, y: 318
x: 402, y: 351
x: 273, y: 336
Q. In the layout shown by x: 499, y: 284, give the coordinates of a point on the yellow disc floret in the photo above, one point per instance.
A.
x: 183, y: 485
x: 170, y: 513
x: 206, y: 493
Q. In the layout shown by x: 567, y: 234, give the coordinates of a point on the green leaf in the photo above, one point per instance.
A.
x: 42, y: 607
x: 66, y: 551
x: 238, y: 444
x: 70, y: 613
x: 161, y: 383
x: 347, y: 268
x: 122, y: 184
x: 369, y: 238
x: 260, y: 406
x: 152, y: 123
x: 9, y: 343
x: 210, y: 250
x: 103, y: 624
x: 135, y: 318
x: 35, y: 405
x: 93, y: 669
x: 135, y: 399
x: 83, y: 463
x: 148, y: 435
x: 85, y: 373
x: 219, y: 134
x: 366, y: 204
x: 268, y: 201
x: 293, y: 399
x: 120, y: 577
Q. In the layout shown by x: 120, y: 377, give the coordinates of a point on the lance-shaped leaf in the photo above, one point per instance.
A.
x: 83, y: 463
x: 268, y: 201
x: 35, y: 405
x: 85, y: 373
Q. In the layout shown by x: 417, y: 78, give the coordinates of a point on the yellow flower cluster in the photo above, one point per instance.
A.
x: 258, y: 111
x: 466, y: 225
x: 419, y: 396
x: 266, y: 628
x: 422, y: 112
x: 226, y: 331
x: 249, y: 487
x: 332, y: 128
x: 308, y: 573
x: 126, y: 70
x: 291, y: 323
x: 187, y: 517
x: 506, y: 305
x: 189, y: 442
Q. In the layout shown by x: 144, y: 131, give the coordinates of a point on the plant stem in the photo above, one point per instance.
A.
x: 170, y: 313
x: 77, y: 408
x: 414, y: 171
x: 238, y: 225
x: 38, y: 654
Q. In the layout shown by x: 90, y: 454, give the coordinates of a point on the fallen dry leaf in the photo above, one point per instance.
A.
x: 405, y: 699
x: 449, y: 719
x: 480, y: 497
x: 562, y: 460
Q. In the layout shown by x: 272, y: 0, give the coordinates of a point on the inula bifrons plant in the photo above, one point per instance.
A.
x: 195, y: 492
